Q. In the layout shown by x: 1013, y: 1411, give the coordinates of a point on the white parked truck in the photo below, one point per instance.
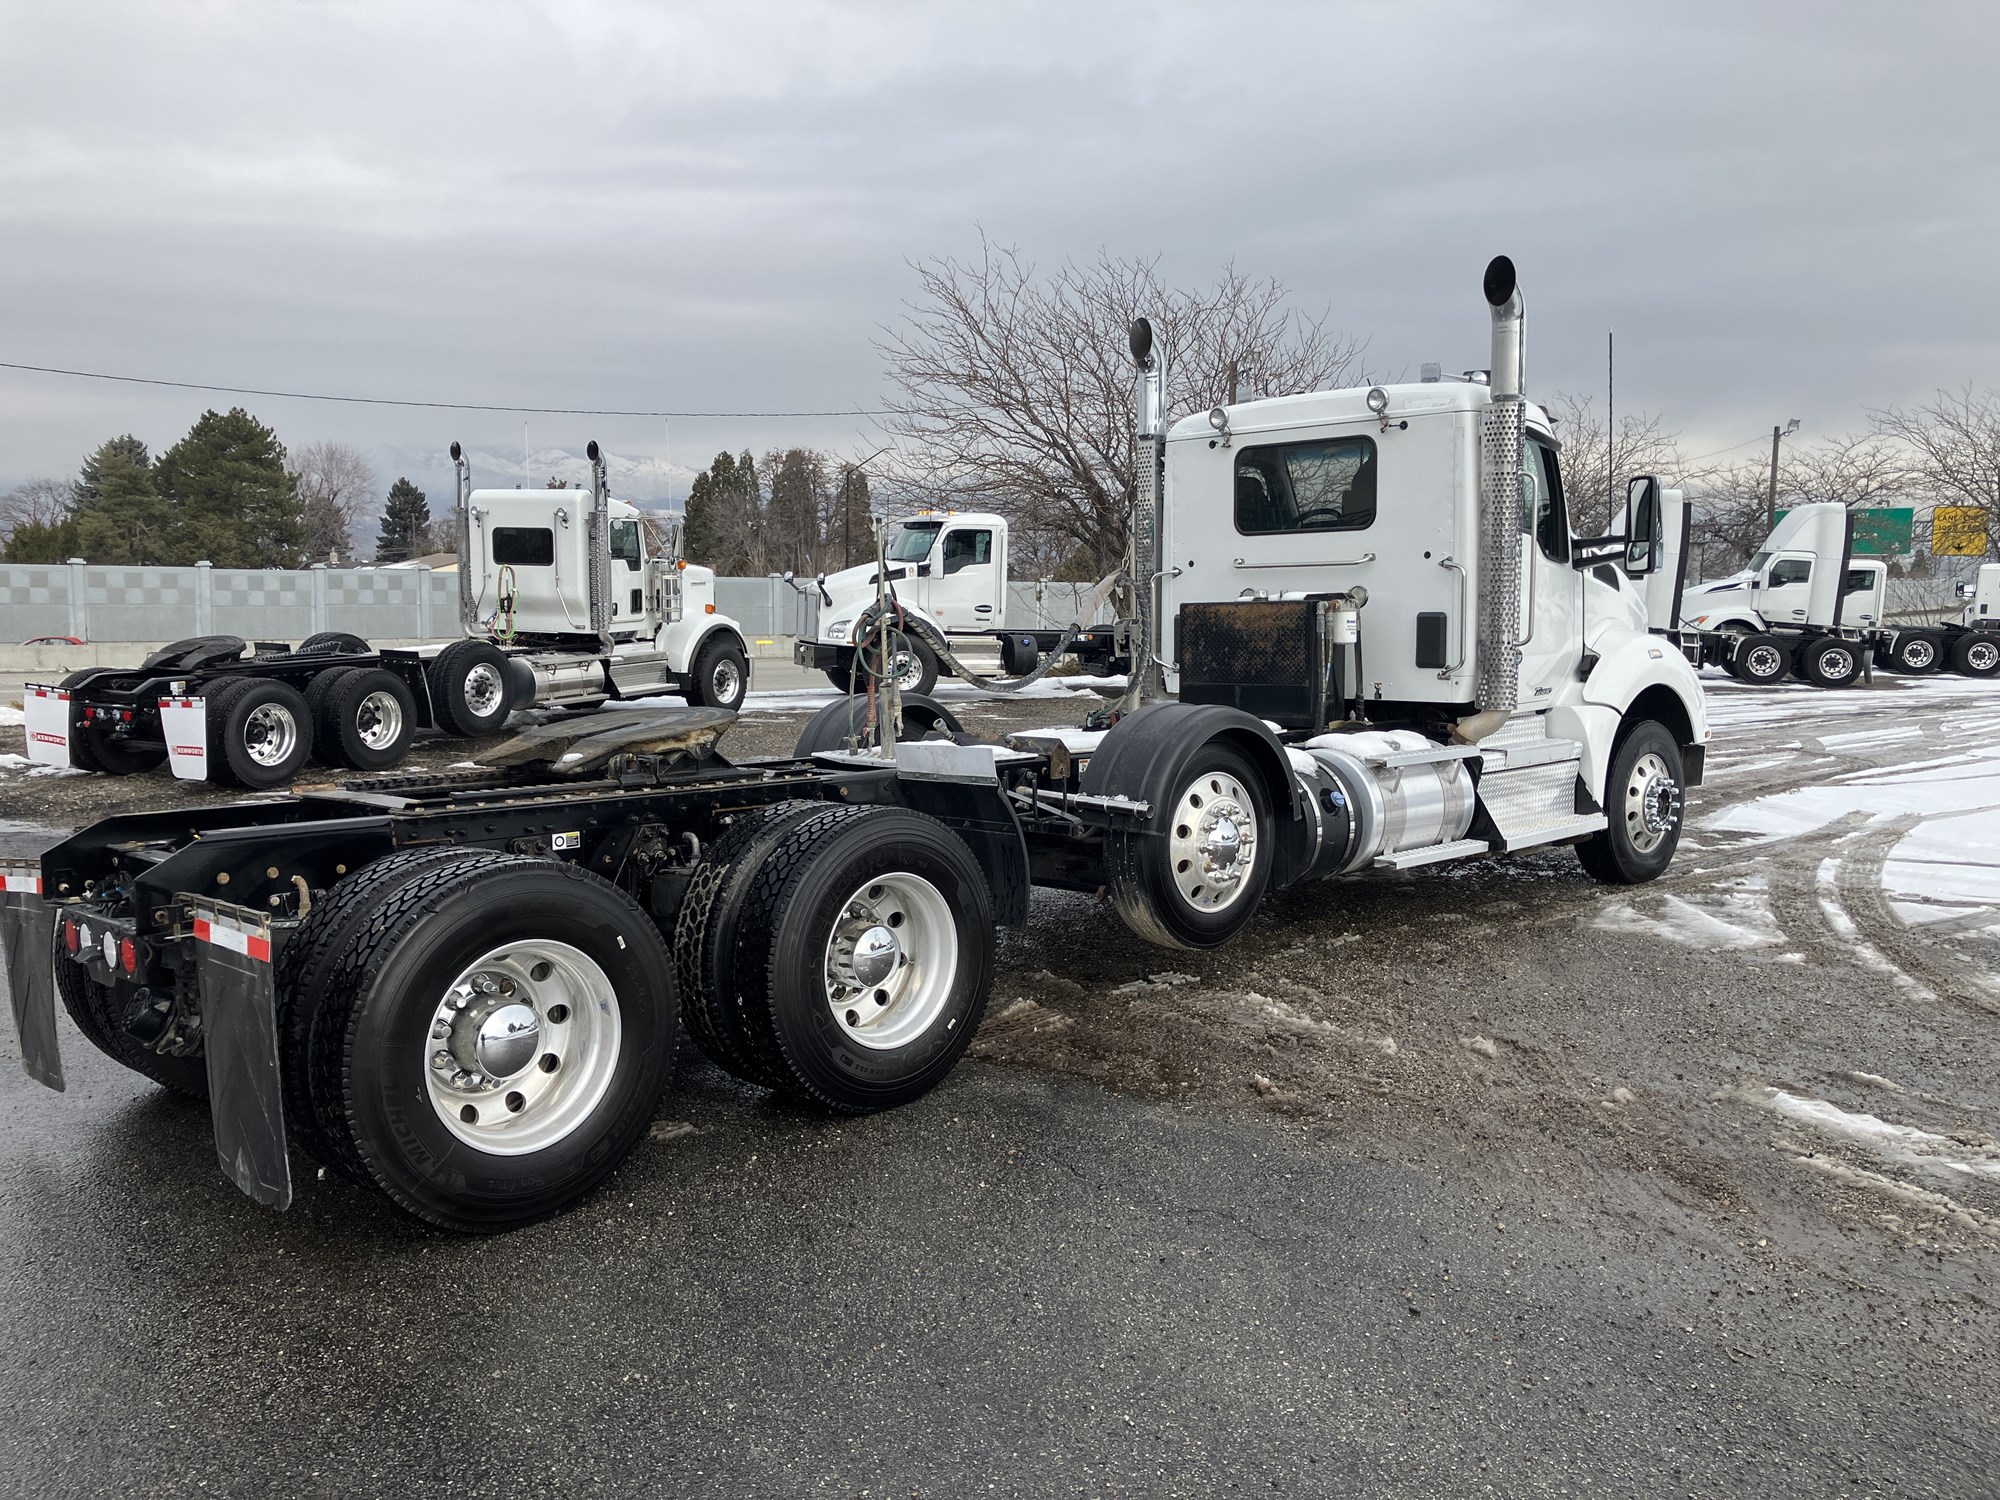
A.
x: 462, y: 992
x: 1806, y: 606
x: 947, y: 576
x: 560, y: 604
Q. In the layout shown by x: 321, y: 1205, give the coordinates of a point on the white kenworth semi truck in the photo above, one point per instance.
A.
x: 561, y: 604
x: 1806, y: 606
x: 462, y: 991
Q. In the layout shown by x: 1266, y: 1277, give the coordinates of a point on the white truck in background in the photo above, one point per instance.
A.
x: 947, y: 575
x: 1806, y: 606
x: 560, y: 605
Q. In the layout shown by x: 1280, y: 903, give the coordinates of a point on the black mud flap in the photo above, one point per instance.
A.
x: 27, y: 929
x: 234, y: 951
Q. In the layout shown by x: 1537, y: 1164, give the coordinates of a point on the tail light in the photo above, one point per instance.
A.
x: 72, y: 940
x: 128, y: 956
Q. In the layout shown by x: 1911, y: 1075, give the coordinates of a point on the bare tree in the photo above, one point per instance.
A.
x: 1862, y: 470
x: 36, y: 502
x: 1596, y: 463
x: 1015, y: 388
x: 336, y: 490
x: 1954, y: 442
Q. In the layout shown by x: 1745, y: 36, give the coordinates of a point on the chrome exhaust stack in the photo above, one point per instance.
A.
x: 1149, y: 413
x: 468, y: 601
x: 1502, y: 434
x: 597, y: 534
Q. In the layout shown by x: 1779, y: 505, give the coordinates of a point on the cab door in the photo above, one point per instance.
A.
x: 965, y: 579
x: 1784, y: 592
x: 1550, y: 587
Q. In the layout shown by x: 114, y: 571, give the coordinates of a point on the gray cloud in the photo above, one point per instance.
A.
x: 1784, y: 210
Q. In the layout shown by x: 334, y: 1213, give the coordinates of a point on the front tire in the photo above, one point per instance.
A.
x: 1644, y: 801
x: 494, y: 1042
x: 720, y: 677
x: 865, y: 957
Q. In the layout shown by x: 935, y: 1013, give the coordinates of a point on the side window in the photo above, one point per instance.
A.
x: 1790, y: 570
x: 1859, y: 581
x: 1542, y: 501
x: 523, y: 546
x: 625, y: 542
x: 1327, y: 484
x: 964, y: 549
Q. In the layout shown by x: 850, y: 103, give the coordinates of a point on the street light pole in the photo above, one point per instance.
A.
x: 1771, y: 500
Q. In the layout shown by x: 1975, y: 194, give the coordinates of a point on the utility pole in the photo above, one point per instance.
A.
x: 1771, y: 498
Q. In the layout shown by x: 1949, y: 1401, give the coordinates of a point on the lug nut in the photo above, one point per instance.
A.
x: 440, y: 1060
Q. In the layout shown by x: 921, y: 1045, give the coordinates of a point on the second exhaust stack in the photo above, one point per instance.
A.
x: 1500, y: 439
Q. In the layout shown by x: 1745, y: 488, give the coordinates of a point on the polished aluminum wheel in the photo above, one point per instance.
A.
x: 1652, y: 803
x: 378, y: 719
x: 1919, y: 655
x: 725, y: 681
x: 1764, y: 663
x: 1982, y: 656
x: 485, y: 690
x: 522, y: 1047
x: 270, y: 734
x: 1838, y: 663
x: 1213, y: 845
x: 891, y: 961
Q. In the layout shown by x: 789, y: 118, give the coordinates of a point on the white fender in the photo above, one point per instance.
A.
x: 683, y: 638
x: 1624, y: 670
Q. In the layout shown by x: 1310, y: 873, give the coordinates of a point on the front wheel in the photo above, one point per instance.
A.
x: 1197, y: 882
x: 1976, y: 655
x: 1644, y: 803
x: 720, y: 677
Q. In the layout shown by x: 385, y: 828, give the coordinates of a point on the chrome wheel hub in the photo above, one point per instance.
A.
x: 1919, y: 654
x: 270, y: 734
x: 1982, y: 655
x: 891, y: 961
x: 1213, y: 846
x: 724, y: 681
x: 1836, y: 663
x: 522, y: 1047
x: 1763, y: 661
x: 379, y: 720
x: 484, y: 689
x: 1652, y: 804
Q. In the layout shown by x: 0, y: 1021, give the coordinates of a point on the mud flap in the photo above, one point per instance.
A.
x: 239, y: 1024
x: 27, y: 929
x: 45, y: 720
x: 184, y: 723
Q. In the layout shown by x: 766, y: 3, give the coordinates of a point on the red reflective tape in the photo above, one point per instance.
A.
x: 14, y: 880
x: 236, y: 939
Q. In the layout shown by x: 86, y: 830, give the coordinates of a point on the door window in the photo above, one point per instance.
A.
x: 964, y: 549
x: 1790, y: 570
x: 1327, y: 484
x: 1542, y: 501
x: 625, y: 542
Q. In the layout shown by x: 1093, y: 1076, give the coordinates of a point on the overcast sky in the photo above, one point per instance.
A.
x: 1784, y: 210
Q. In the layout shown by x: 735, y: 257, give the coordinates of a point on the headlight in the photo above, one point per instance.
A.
x: 837, y: 631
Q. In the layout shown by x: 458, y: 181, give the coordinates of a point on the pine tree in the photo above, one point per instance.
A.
x: 121, y: 516
x: 798, y: 480
x: 406, y: 524
x: 229, y: 496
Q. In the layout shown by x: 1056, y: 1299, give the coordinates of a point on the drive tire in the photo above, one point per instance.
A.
x: 94, y: 1008
x: 720, y: 677
x: 366, y: 719
x: 835, y: 724
x: 469, y: 689
x: 333, y: 643
x: 705, y: 933
x: 1147, y: 871
x: 1916, y: 654
x: 1630, y: 850
x: 1976, y: 654
x: 1760, y: 659
x: 259, y: 732
x: 926, y: 887
x: 371, y: 1075
x: 1831, y: 662
x: 338, y: 919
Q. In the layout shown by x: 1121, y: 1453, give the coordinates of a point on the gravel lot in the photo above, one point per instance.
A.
x: 1486, y: 1179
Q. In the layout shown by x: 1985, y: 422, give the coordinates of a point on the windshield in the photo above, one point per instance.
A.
x: 913, y: 541
x: 1757, y: 562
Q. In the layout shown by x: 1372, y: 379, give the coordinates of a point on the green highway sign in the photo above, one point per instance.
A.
x: 1882, y: 531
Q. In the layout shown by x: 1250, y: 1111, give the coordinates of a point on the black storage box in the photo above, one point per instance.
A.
x: 1274, y: 658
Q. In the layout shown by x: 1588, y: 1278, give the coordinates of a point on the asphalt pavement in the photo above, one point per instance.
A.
x: 1464, y: 1184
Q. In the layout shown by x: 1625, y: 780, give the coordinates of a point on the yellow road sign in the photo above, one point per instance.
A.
x: 1958, y: 531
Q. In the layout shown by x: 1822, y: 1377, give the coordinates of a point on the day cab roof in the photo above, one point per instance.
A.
x: 1348, y: 405
x: 955, y: 517
x: 618, y: 508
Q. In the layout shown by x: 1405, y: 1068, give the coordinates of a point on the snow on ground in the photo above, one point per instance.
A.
x: 11, y: 716
x: 1730, y: 920
x: 1902, y: 1144
x: 19, y: 765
